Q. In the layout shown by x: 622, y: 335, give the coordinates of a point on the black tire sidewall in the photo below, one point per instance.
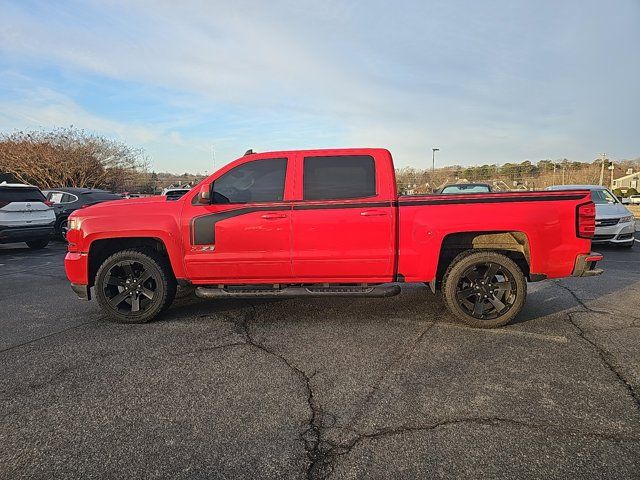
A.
x: 464, y: 261
x: 59, y: 227
x: 166, y: 287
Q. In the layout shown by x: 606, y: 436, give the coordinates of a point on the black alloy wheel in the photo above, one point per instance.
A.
x: 484, y: 289
x: 134, y: 286
x: 130, y: 287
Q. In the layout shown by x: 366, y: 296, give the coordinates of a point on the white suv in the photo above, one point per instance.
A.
x: 24, y: 215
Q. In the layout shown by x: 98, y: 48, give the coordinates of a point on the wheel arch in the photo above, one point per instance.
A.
x: 102, y: 249
x: 513, y: 244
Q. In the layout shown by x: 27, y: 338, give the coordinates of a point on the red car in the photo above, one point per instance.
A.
x: 327, y: 223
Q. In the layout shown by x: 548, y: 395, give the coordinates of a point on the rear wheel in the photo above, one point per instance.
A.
x: 134, y: 286
x: 38, y: 244
x: 484, y: 289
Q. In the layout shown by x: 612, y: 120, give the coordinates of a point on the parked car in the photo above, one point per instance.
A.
x: 323, y: 223
x: 634, y: 199
x: 67, y: 200
x: 457, y: 188
x: 174, y: 193
x: 25, y: 215
x: 615, y: 224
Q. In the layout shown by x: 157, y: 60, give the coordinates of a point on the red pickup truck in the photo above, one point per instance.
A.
x: 327, y: 223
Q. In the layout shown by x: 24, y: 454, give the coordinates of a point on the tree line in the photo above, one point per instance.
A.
x: 69, y: 157
x: 74, y: 157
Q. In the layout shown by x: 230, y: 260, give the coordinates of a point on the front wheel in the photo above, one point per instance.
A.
x: 484, y: 289
x: 135, y: 286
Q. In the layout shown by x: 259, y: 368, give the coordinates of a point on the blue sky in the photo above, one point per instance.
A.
x: 486, y: 82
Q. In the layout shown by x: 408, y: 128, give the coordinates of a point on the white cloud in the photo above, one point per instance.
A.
x: 482, y: 83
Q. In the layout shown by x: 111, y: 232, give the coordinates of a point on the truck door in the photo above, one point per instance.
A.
x: 343, y: 221
x: 244, y: 234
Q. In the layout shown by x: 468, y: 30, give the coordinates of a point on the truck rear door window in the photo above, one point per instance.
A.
x: 339, y: 177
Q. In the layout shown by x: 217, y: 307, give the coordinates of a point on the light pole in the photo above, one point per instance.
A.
x: 433, y: 159
x: 611, y: 167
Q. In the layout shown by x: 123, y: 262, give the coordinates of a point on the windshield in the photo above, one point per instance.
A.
x: 602, y: 197
x: 466, y: 189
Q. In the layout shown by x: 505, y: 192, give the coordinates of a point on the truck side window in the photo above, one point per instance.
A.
x: 339, y: 177
x: 257, y: 181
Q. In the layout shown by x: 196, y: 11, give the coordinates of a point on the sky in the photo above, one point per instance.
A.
x: 193, y: 82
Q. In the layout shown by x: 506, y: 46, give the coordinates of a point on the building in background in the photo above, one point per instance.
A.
x: 630, y: 180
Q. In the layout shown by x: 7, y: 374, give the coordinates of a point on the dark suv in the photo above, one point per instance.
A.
x: 66, y: 200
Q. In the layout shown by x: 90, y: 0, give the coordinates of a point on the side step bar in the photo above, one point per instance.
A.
x: 291, y: 292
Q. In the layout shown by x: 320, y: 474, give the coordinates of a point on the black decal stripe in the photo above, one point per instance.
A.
x: 457, y: 201
x: 203, y: 228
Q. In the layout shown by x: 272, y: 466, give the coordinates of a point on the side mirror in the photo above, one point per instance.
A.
x: 205, y: 194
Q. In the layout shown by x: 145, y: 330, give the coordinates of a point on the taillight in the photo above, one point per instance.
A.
x: 586, y: 221
x: 48, y: 203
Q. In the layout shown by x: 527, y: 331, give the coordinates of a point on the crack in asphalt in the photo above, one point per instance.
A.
x: 587, y: 307
x: 345, y: 448
x: 322, y: 454
x: 404, y: 354
x: 607, y: 358
x: 310, y: 437
x: 28, y: 342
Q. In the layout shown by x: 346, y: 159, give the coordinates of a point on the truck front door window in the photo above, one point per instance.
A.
x: 257, y: 181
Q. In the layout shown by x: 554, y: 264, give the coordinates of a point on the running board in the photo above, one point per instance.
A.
x: 291, y: 292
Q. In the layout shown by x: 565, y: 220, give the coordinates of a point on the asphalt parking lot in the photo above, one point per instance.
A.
x: 343, y: 388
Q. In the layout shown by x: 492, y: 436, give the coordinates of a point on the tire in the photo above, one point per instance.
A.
x: 484, y: 289
x: 135, y: 286
x: 61, y: 228
x: 38, y: 244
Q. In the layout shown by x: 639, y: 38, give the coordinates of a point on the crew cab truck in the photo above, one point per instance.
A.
x: 327, y: 223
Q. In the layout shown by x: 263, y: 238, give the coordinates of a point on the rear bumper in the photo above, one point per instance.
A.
x: 25, y: 234
x: 585, y: 265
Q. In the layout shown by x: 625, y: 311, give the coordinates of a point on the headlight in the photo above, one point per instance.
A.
x: 74, y: 223
x: 630, y: 218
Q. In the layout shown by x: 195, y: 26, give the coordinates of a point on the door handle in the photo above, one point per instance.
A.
x: 273, y: 216
x: 373, y: 213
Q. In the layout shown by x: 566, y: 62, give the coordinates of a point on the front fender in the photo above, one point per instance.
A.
x: 158, y: 226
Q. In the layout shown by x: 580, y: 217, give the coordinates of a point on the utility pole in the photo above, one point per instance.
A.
x: 433, y: 168
x: 213, y: 158
x: 604, y: 159
x: 563, y: 174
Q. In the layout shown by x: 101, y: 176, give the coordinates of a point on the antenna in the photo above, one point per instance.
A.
x: 249, y: 152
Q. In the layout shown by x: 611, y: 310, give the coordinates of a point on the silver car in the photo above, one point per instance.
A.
x: 615, y: 224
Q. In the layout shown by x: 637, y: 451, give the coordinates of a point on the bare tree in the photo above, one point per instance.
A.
x: 69, y: 157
